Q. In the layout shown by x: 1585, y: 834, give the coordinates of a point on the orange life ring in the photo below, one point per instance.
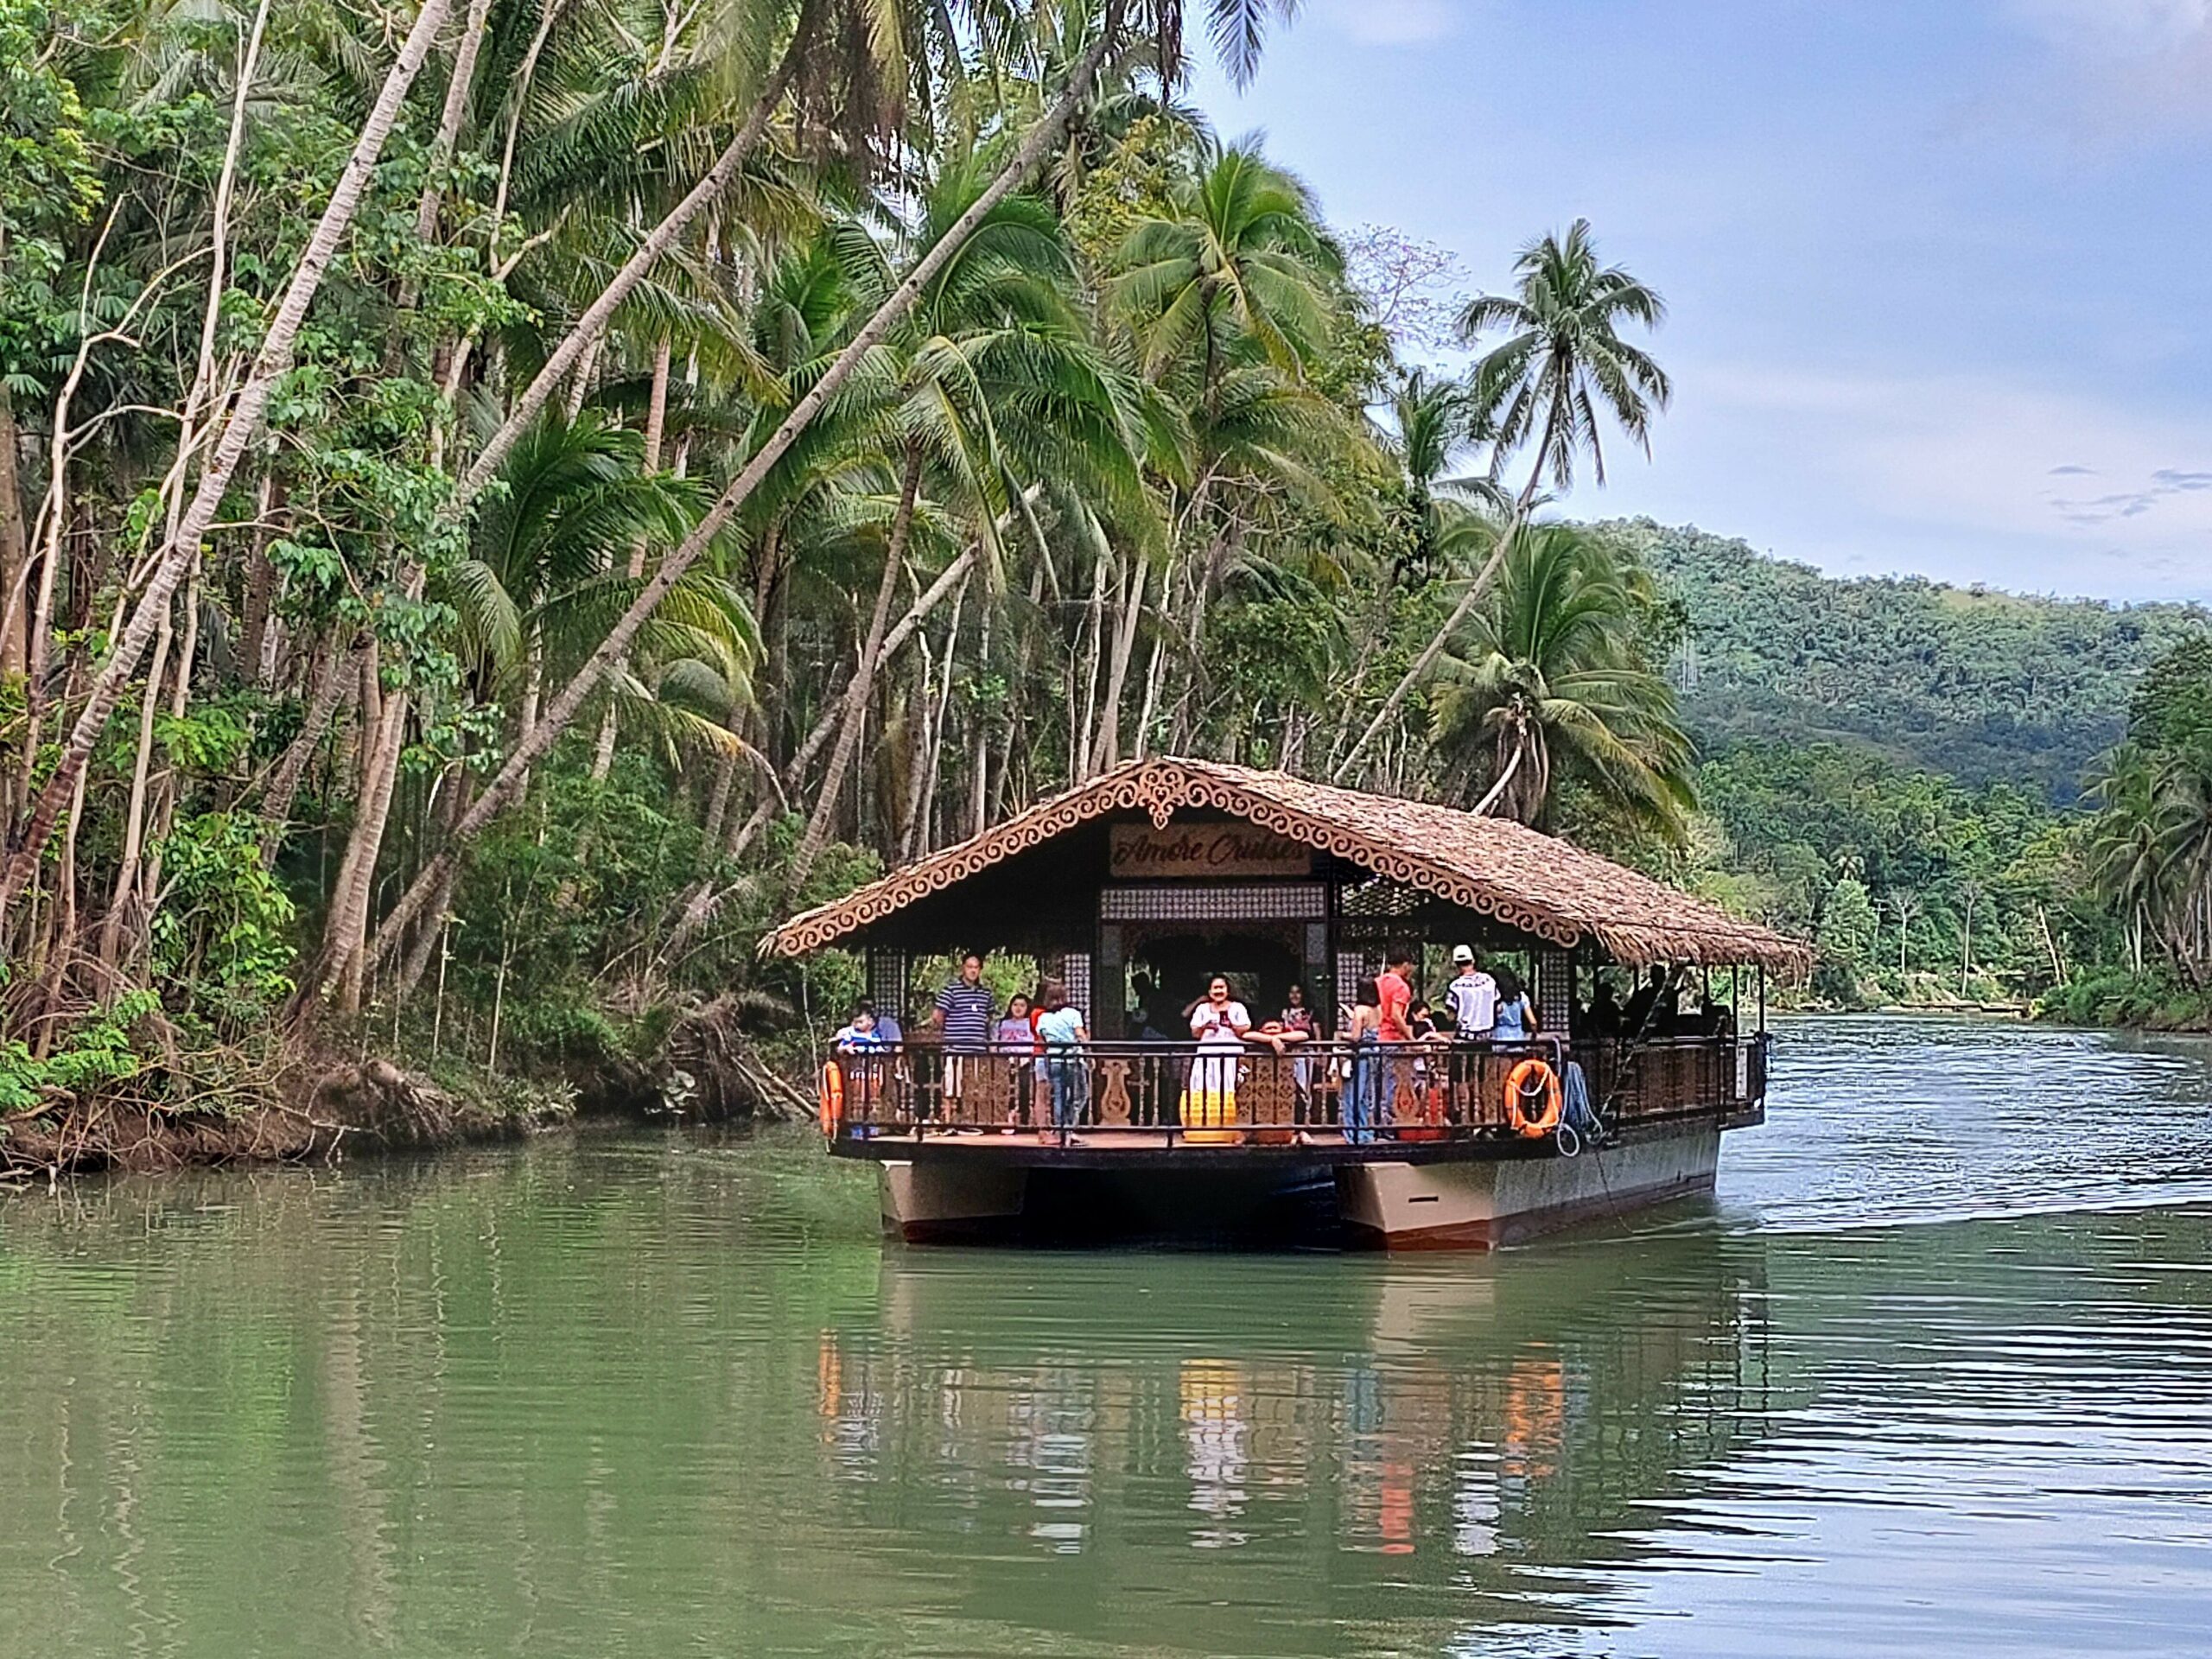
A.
x: 832, y: 1098
x: 1518, y: 1089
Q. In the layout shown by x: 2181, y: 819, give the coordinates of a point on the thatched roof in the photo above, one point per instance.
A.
x: 1527, y: 880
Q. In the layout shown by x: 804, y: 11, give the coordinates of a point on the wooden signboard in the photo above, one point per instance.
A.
x: 1222, y: 851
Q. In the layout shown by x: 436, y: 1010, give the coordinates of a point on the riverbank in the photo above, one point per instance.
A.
x: 319, y: 1100
x: 347, y: 1107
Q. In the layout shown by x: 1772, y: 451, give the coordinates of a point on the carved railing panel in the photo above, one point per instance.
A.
x: 1432, y: 1090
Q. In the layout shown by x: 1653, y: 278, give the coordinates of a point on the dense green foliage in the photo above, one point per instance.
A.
x: 498, y: 503
x: 1895, y: 769
x: 715, y: 452
x: 1915, y: 887
x: 1979, y: 685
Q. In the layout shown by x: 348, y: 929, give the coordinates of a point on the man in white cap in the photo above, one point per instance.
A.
x: 1472, y: 998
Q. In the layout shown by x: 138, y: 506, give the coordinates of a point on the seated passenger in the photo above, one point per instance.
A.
x: 860, y: 1036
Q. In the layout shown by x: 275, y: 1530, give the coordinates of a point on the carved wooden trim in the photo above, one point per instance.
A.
x: 1691, y: 931
x: 1114, y: 1092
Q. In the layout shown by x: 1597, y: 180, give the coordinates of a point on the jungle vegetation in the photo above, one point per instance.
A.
x: 499, y: 498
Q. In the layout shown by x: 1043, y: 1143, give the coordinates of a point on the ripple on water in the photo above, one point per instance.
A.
x: 1884, y: 1120
x: 664, y: 1394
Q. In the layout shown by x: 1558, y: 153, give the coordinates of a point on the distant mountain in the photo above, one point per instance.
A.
x: 1978, y: 684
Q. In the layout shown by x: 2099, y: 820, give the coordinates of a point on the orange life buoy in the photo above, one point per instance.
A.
x: 832, y: 1098
x: 1518, y: 1088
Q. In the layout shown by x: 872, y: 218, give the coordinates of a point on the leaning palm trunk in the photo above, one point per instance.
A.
x: 346, y: 928
x: 854, y: 709
x: 561, y: 712
x: 603, y: 760
x: 1442, y: 637
x: 1106, y: 749
x: 584, y: 335
x: 182, y: 549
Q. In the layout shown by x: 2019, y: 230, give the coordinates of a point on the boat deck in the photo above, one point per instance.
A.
x: 1160, y: 1147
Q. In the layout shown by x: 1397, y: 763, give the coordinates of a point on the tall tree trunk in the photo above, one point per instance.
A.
x: 507, y: 783
x: 1151, y: 696
x: 1108, y: 753
x: 262, y: 591
x: 1083, y: 740
x: 285, y: 782
x: 434, y: 916
x: 603, y: 760
x: 238, y: 432
x: 346, y: 930
x: 725, y: 784
x: 932, y: 762
x: 134, y: 818
x: 586, y: 329
x: 14, y: 544
x: 858, y: 689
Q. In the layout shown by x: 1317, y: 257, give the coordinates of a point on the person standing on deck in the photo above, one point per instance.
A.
x: 1394, y: 992
x: 1016, y: 1039
x: 1219, y: 1022
x: 1472, y: 998
x: 962, y: 1016
x: 1297, y: 1028
x: 1650, y: 1011
x: 1361, y: 1080
x: 1060, y: 1028
x: 1516, y: 1015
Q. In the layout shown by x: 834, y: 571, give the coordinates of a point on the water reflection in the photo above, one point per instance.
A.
x: 672, y: 1396
x: 1490, y: 1428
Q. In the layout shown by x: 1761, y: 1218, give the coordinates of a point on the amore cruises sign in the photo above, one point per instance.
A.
x: 1232, y: 850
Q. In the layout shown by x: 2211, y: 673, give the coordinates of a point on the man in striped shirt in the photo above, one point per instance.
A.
x: 962, y: 1016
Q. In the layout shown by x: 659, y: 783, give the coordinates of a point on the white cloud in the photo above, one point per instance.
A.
x: 2118, y: 73
x: 1995, y: 457
x: 2121, y: 26
x: 1394, y: 22
x: 1965, y: 477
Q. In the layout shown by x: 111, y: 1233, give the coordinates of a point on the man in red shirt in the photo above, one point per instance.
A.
x: 1395, y: 996
x: 1394, y: 1000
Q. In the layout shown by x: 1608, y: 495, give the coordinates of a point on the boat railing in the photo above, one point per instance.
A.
x: 1273, y: 1092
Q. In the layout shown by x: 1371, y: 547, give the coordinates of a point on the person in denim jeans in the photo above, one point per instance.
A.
x: 1364, y: 1082
x: 1062, y: 1031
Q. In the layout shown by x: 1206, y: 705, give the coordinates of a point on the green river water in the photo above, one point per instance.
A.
x: 1932, y: 1376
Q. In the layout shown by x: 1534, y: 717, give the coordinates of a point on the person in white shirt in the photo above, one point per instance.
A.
x: 1219, y: 1022
x: 1472, y: 998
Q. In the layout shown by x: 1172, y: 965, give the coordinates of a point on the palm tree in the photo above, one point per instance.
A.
x: 1563, y: 363
x: 1228, y: 299
x: 1243, y: 259
x: 990, y: 380
x: 1549, y: 679
x: 2129, y: 854
x: 1563, y: 358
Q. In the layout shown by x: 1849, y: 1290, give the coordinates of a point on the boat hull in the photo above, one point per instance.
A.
x: 1481, y: 1206
x: 1430, y: 1199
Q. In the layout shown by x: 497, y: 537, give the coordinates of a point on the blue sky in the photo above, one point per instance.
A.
x: 1940, y: 273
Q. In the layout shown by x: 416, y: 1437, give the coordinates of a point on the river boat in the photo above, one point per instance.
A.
x: 1132, y: 889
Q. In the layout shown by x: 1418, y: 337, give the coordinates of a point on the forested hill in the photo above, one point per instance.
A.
x: 1980, y: 685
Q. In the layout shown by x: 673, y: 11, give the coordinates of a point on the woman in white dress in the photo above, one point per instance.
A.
x: 1219, y: 1022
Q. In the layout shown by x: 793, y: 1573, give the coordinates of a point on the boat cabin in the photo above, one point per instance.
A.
x: 1131, y: 893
